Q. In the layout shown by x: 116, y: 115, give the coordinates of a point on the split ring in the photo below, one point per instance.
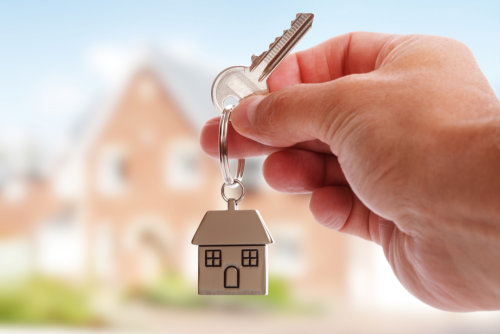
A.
x: 229, y: 180
x: 236, y: 183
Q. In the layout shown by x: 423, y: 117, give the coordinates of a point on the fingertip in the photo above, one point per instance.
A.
x: 331, y: 206
x: 286, y: 74
x: 238, y: 146
x: 294, y: 171
x: 278, y: 171
x: 208, y: 136
x: 243, y: 115
x: 213, y: 121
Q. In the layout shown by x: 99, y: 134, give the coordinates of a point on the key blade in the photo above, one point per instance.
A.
x: 282, y: 45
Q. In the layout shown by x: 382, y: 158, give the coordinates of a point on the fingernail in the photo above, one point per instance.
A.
x: 243, y: 116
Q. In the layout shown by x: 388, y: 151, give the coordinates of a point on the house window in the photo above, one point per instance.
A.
x: 183, y: 168
x: 212, y: 258
x: 112, y: 170
x: 249, y: 257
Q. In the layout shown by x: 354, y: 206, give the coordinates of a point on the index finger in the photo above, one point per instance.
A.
x: 356, y: 52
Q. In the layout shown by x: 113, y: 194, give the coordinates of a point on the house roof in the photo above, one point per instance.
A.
x: 240, y: 227
x: 187, y: 83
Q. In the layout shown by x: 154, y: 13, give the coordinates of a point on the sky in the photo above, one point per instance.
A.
x: 58, y: 56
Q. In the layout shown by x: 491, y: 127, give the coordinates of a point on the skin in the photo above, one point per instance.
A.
x: 397, y: 138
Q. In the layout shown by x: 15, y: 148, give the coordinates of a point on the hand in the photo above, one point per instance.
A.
x: 398, y: 140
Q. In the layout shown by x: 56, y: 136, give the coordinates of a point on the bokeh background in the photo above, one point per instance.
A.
x: 102, y: 182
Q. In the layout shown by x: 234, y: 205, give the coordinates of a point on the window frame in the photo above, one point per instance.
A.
x: 182, y: 165
x: 253, y: 254
x: 111, y: 169
x: 216, y: 254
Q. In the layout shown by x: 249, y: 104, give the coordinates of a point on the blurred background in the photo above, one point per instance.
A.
x: 103, y: 183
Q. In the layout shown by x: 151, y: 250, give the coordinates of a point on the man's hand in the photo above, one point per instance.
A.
x: 398, y: 140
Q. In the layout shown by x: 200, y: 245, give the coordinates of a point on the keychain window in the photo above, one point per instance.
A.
x: 212, y: 258
x: 249, y: 257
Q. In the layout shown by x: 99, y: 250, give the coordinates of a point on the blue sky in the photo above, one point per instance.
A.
x: 56, y: 56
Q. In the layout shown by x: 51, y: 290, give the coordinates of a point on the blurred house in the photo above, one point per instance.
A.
x: 121, y: 208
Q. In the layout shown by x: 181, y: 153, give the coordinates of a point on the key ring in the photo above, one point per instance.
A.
x: 223, y: 156
x: 236, y: 183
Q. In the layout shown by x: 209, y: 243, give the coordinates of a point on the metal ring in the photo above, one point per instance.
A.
x: 236, y: 183
x: 223, y: 156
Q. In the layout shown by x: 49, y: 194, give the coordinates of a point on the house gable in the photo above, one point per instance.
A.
x: 222, y: 228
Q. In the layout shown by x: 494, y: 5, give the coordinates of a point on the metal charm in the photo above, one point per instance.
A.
x: 232, y: 252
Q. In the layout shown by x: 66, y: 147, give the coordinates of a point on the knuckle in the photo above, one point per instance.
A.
x: 272, y: 107
x: 443, y: 47
x: 346, y: 113
x: 280, y: 100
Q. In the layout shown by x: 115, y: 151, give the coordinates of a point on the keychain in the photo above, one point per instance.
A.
x: 232, y: 243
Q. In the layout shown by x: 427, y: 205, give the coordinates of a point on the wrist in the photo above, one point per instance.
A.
x: 461, y: 171
x: 486, y: 184
x: 470, y: 212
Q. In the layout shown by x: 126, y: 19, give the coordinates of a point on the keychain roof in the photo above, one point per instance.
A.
x: 216, y: 229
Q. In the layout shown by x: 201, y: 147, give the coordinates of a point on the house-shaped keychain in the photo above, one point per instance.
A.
x: 232, y: 252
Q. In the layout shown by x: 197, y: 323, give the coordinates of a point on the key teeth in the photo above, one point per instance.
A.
x: 255, y: 58
x: 274, y: 42
x: 293, y: 21
x: 284, y: 32
x: 299, y: 14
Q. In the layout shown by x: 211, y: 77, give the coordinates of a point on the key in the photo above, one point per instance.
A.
x: 237, y: 82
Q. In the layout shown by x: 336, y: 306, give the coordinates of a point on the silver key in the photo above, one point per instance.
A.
x: 238, y: 82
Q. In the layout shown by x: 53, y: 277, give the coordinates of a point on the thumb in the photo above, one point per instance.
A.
x: 299, y: 113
